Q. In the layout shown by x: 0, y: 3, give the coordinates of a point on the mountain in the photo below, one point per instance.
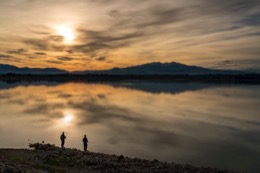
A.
x: 158, y: 68
x: 4, y: 68
x: 155, y: 68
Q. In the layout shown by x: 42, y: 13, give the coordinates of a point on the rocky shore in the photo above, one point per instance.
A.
x: 47, y: 158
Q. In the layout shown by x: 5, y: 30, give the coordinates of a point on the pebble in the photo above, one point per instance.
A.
x: 98, y: 162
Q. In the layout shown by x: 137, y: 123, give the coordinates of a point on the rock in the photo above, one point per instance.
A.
x: 121, y: 157
x: 99, y: 162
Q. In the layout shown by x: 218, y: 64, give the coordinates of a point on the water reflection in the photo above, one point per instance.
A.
x: 199, y: 124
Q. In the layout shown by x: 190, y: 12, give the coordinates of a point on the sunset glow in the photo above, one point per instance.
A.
x: 130, y: 85
x: 98, y: 35
x: 67, y: 33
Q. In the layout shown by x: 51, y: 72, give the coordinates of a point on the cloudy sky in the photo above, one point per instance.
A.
x: 102, y: 34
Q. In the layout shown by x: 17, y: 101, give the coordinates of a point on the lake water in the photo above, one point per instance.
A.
x: 200, y: 124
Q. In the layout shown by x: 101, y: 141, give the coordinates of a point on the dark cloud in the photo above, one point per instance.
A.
x: 156, y: 16
x: 251, y: 20
x: 70, y: 51
x: 64, y: 95
x: 54, y: 62
x: 40, y: 53
x: 225, y: 64
x: 240, y: 7
x: 18, y: 51
x: 249, y: 64
x: 40, y: 32
x: 104, y: 40
x: 103, y: 1
x: 150, y: 16
x: 37, y: 43
x: 52, y: 42
x: 5, y: 56
x: 65, y: 58
x: 161, y: 16
x: 55, y: 38
x: 101, y: 58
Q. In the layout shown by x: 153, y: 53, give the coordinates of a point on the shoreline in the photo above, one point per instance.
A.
x: 201, y: 78
x: 47, y: 158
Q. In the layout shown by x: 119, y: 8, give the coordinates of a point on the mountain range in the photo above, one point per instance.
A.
x: 5, y: 68
x: 155, y: 68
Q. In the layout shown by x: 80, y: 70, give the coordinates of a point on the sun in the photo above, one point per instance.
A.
x: 67, y: 33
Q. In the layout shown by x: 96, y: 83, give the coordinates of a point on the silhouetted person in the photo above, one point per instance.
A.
x: 85, y: 142
x: 62, y: 138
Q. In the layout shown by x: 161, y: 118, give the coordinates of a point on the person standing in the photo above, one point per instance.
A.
x: 85, y: 143
x: 62, y: 138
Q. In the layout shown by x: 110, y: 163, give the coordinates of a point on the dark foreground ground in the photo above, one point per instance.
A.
x: 46, y: 158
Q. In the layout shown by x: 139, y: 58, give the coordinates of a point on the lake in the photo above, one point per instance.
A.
x: 195, y: 123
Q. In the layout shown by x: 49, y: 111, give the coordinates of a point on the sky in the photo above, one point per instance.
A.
x: 103, y: 34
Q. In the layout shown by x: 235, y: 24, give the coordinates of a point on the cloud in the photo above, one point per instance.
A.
x: 37, y: 43
x: 51, y: 42
x: 5, y: 56
x: 40, y: 53
x: 175, y: 27
x: 65, y: 58
x: 41, y: 30
x: 55, y: 38
x: 158, y: 17
x: 104, y: 40
x: 251, y: 20
x: 101, y: 58
x: 18, y: 51
x: 70, y: 51
x: 223, y: 7
x: 54, y: 62
x: 170, y: 30
x: 248, y: 64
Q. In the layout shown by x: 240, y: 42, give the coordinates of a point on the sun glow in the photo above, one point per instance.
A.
x: 68, y: 118
x: 67, y: 33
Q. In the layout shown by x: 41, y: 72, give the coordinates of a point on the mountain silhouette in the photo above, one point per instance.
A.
x: 155, y: 68
x: 4, y: 69
x: 158, y: 68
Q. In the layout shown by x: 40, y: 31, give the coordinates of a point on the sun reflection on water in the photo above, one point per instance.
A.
x: 68, y: 117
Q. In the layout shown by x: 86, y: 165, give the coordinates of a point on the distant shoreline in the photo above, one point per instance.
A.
x: 205, y: 78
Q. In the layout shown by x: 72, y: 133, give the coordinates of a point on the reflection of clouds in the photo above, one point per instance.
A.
x: 211, y: 126
x: 14, y: 101
x: 62, y: 95
x: 101, y: 96
x: 168, y: 87
x: 98, y: 113
x: 48, y: 109
x: 5, y: 95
